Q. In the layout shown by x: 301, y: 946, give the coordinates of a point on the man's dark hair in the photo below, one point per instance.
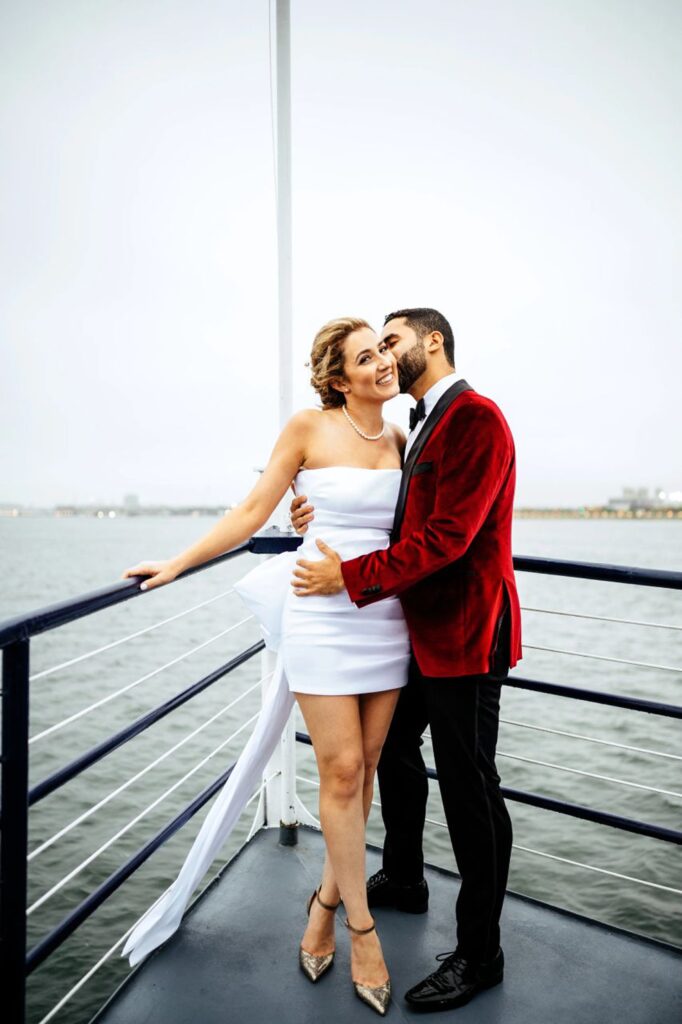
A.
x: 423, y: 321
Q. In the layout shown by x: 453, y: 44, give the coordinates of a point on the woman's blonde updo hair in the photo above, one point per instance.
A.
x: 326, y: 358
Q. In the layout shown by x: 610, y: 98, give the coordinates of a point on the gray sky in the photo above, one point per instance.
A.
x: 515, y: 164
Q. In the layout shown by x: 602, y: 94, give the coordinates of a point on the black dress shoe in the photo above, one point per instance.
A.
x: 455, y: 982
x: 413, y: 899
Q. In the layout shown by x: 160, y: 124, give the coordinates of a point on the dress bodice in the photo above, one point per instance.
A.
x: 354, y: 506
x: 354, y: 509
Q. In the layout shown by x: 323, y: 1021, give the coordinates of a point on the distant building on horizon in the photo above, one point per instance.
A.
x: 635, y: 498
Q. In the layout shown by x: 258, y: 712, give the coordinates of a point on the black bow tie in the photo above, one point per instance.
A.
x: 417, y: 414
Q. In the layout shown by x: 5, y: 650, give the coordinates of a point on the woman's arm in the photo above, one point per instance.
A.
x: 240, y: 523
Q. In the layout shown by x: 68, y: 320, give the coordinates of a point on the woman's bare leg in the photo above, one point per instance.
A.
x: 347, y: 735
x: 334, y: 727
x: 376, y: 712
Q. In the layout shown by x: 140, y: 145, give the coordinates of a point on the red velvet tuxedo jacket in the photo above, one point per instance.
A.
x: 450, y: 559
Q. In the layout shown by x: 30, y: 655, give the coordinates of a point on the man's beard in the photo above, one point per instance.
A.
x: 411, y: 366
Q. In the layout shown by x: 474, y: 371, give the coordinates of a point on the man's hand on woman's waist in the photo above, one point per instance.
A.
x: 320, y: 577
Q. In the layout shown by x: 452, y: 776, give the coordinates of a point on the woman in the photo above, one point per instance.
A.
x: 344, y: 665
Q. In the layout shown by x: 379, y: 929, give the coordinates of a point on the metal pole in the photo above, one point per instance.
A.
x: 273, y: 769
x: 13, y: 849
x: 283, y: 163
x: 288, y: 820
x: 287, y: 752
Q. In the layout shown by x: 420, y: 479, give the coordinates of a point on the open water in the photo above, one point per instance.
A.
x: 45, y: 560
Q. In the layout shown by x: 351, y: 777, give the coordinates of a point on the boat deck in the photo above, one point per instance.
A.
x: 235, y: 957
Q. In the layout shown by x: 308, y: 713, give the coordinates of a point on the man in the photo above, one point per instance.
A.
x: 450, y: 562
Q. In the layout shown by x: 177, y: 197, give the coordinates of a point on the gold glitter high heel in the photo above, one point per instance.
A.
x: 378, y: 998
x: 315, y: 966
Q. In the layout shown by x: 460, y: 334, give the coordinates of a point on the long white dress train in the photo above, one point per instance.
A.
x: 324, y: 645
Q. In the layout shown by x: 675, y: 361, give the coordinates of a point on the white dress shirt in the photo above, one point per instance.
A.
x: 430, y: 399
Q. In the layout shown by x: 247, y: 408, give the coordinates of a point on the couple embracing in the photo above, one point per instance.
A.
x: 399, y: 611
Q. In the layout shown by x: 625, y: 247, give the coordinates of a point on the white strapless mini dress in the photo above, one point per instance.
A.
x: 327, y: 645
x: 324, y: 645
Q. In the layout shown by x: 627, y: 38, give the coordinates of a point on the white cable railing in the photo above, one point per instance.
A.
x: 580, y: 736
x: 125, y: 639
x: 88, y: 974
x: 578, y: 771
x: 136, y: 682
x: 601, y: 871
x: 138, y: 817
x: 162, y: 757
x: 591, y: 739
x: 578, y: 864
x: 103, y: 959
x: 590, y: 775
x: 601, y: 618
x: 539, y: 853
x: 603, y: 657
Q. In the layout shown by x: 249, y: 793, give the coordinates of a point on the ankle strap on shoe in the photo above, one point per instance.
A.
x: 327, y: 906
x: 360, y: 931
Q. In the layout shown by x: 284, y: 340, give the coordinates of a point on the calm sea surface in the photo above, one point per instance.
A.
x: 46, y: 560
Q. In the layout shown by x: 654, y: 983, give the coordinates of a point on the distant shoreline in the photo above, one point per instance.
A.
x: 117, y: 511
x: 597, y: 512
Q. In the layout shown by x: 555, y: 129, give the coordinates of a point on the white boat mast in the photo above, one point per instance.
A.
x: 279, y: 802
x: 283, y: 171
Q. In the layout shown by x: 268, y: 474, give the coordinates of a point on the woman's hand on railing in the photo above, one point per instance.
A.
x: 158, y: 573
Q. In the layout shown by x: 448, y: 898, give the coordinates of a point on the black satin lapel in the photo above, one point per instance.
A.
x: 443, y: 403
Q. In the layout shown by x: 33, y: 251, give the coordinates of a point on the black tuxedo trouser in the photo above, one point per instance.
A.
x: 463, y: 713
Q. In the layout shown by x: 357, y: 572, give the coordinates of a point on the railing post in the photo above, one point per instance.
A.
x: 267, y: 664
x: 288, y: 820
x: 14, y: 843
x: 280, y: 790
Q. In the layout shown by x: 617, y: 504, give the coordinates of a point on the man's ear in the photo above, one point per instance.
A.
x: 434, y: 341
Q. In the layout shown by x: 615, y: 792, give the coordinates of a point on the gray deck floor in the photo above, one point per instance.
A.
x: 235, y: 958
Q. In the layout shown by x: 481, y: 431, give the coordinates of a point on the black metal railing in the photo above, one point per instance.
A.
x: 642, y: 828
x: 95, y: 754
x: 15, y: 638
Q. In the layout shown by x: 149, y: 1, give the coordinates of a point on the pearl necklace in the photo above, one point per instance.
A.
x: 367, y: 437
